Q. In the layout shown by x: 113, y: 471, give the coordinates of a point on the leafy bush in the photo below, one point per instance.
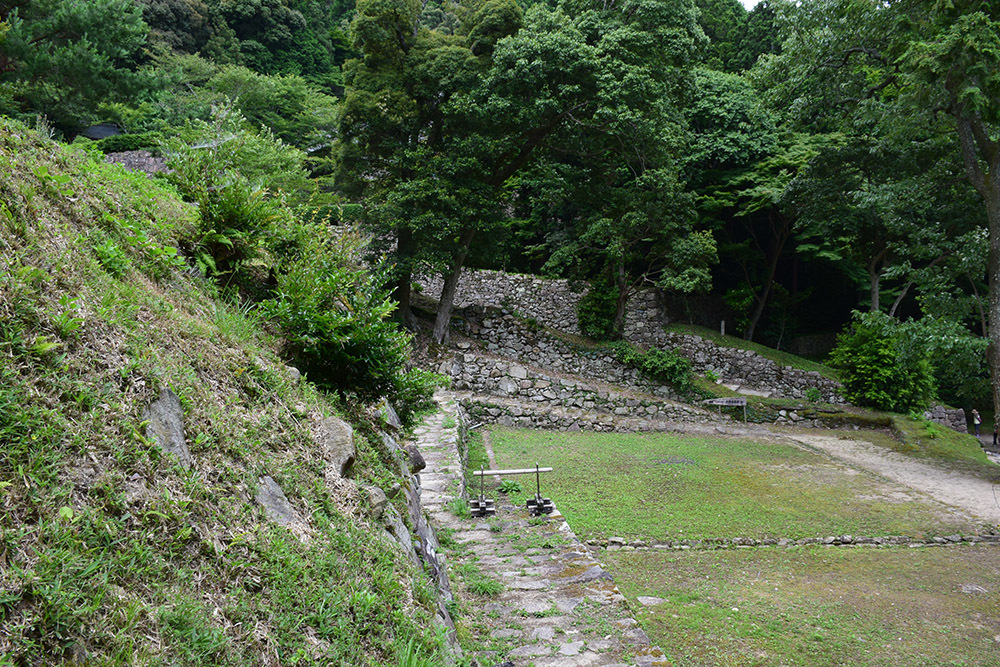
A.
x: 130, y: 142
x: 884, y: 364
x: 334, y: 314
x: 814, y: 395
x: 205, y: 154
x: 227, y: 169
x: 595, y: 312
x: 666, y: 366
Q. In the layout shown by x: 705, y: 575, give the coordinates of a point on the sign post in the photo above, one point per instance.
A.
x: 730, y: 401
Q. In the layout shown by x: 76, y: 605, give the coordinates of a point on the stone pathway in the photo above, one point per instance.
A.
x: 558, y: 606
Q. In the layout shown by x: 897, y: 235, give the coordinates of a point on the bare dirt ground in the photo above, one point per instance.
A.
x: 975, y: 496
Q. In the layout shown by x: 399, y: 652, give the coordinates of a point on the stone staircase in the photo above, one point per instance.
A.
x: 558, y: 606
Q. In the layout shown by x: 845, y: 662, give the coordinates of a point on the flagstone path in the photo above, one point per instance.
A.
x: 558, y: 607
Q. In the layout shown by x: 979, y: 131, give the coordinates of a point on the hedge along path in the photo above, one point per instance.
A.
x: 973, y: 495
x: 558, y: 606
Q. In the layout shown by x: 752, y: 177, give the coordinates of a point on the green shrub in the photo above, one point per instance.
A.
x: 814, y: 395
x: 595, y: 312
x: 237, y: 177
x: 666, y: 366
x: 130, y: 142
x: 334, y: 315
x: 883, y: 364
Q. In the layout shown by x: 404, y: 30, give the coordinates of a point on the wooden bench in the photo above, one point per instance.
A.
x: 482, y: 506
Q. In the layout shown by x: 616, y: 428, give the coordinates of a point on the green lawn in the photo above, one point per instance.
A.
x: 809, y: 606
x: 661, y: 486
x: 818, y: 606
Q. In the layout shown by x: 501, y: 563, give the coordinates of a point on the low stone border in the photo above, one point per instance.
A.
x: 621, y: 544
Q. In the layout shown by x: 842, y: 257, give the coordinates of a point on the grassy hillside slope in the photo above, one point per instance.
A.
x: 110, y: 551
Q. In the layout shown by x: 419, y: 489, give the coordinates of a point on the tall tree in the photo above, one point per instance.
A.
x: 400, y: 149
x: 574, y: 80
x: 724, y: 23
x: 885, y: 211
x: 902, y: 63
x: 63, y: 58
x: 604, y: 68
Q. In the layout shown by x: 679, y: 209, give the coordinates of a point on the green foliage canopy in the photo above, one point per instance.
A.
x: 62, y: 58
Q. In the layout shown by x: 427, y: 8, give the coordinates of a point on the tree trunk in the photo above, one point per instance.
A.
x: 780, y: 236
x: 758, y: 310
x: 909, y: 283
x: 875, y: 279
x: 442, y: 322
x: 993, y: 271
x: 984, y: 329
x: 623, y: 289
x: 402, y: 292
x: 981, y: 156
x: 402, y: 295
x: 899, y: 299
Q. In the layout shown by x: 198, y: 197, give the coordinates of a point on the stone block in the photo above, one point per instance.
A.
x: 165, y: 426
x: 335, y: 438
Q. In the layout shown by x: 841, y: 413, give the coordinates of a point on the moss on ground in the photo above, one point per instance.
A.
x: 817, y: 607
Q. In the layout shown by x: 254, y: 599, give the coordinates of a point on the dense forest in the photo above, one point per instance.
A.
x: 794, y: 169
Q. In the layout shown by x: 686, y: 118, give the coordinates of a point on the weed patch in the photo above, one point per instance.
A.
x: 112, y: 553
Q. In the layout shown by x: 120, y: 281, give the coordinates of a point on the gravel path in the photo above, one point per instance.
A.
x: 975, y: 496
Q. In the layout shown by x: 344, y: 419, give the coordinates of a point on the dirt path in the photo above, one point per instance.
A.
x: 977, y: 497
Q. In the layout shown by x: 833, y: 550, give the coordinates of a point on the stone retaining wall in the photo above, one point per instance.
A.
x: 523, y: 415
x: 549, y: 301
x: 506, y: 336
x: 953, y: 418
x: 552, y: 304
x: 751, y: 371
x: 143, y: 161
x: 495, y: 377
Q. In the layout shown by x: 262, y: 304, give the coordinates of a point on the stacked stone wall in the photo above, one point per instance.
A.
x: 485, y: 375
x: 576, y: 419
x: 549, y: 301
x: 506, y: 336
x: 143, y: 161
x: 750, y: 370
x: 552, y: 304
x: 953, y: 418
